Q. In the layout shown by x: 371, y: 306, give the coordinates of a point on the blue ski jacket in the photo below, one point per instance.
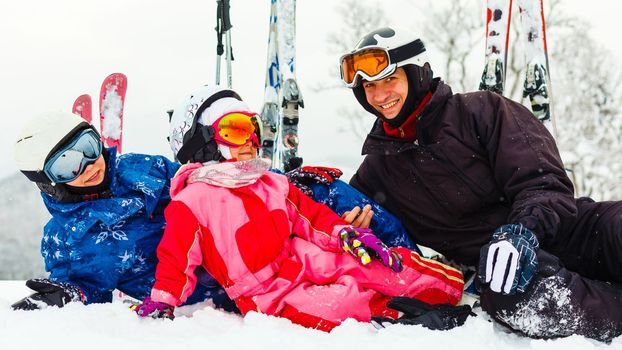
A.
x: 111, y: 243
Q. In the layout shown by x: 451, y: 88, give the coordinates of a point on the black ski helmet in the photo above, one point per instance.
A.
x: 406, y: 51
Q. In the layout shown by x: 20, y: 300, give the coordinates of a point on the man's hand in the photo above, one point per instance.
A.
x: 359, y: 218
x: 509, y: 262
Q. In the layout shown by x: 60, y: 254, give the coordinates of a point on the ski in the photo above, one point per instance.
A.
x: 537, y: 79
x: 291, y: 98
x: 282, y: 98
x: 270, y: 110
x: 82, y: 106
x: 498, y: 16
x: 111, y: 101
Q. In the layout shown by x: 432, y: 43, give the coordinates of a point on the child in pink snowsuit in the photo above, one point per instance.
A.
x: 271, y: 247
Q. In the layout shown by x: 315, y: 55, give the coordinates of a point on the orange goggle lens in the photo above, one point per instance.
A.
x: 237, y: 128
x: 371, y: 62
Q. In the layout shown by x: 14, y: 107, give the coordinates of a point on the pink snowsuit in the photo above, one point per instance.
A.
x: 276, y: 251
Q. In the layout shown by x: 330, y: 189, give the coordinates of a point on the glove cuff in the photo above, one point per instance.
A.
x: 517, y: 230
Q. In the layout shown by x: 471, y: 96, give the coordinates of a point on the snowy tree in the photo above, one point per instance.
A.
x: 455, y: 31
x: 587, y: 102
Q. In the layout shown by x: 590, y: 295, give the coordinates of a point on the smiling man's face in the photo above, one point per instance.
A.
x: 387, y: 95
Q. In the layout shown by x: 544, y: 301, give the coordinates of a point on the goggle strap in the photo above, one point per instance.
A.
x: 70, y: 135
x: 36, y: 176
x: 195, y: 143
x: 407, y: 51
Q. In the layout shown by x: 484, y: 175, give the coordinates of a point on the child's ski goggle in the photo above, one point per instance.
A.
x: 237, y: 128
x: 68, y: 163
x: 370, y: 63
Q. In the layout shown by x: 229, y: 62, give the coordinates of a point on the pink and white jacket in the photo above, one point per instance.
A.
x: 276, y: 251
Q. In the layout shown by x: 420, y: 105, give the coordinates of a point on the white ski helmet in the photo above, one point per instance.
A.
x: 190, y: 137
x: 393, y: 49
x: 40, y: 137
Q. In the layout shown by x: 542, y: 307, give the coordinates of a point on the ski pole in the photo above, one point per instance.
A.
x: 219, y: 46
x: 226, y: 19
x: 229, y: 58
x: 223, y: 25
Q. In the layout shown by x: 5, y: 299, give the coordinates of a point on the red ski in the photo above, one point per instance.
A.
x: 498, y: 19
x: 82, y: 106
x: 111, y: 100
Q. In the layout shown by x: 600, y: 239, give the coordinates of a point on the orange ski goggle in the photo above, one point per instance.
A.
x: 237, y: 128
x: 369, y: 63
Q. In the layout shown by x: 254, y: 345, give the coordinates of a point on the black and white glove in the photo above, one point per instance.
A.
x: 417, y: 312
x: 509, y: 261
x: 49, y: 293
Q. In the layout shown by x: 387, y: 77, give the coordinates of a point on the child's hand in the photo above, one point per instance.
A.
x: 306, y: 176
x: 358, y: 217
x: 153, y: 309
x: 49, y: 293
x: 361, y: 241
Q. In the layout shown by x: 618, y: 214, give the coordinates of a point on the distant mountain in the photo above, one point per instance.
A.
x: 22, y: 217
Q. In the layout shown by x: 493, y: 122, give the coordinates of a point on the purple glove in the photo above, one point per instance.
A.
x: 360, y: 241
x: 153, y: 309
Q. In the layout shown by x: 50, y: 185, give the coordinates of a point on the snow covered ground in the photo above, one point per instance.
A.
x: 114, y: 326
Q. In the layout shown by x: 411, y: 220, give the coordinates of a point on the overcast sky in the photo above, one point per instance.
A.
x: 53, y: 51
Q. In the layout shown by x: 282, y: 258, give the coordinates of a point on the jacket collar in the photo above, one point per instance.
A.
x: 428, y: 123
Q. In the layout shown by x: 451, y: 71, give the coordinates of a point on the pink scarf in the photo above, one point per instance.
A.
x: 231, y: 174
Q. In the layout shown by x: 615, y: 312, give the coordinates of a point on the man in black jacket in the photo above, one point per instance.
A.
x: 479, y: 179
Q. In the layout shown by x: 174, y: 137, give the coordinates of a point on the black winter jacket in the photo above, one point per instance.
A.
x: 480, y: 161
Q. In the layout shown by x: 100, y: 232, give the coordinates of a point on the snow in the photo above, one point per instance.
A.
x: 112, y: 108
x: 106, y: 326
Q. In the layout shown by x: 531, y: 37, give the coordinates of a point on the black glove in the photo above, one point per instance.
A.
x: 436, y: 317
x: 292, y: 163
x: 306, y: 176
x: 49, y: 293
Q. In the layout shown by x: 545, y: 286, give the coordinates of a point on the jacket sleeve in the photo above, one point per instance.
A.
x: 527, y: 166
x: 148, y: 174
x: 179, y: 253
x: 163, y: 168
x: 313, y: 221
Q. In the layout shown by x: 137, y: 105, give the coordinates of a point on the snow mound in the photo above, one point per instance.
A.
x: 114, y: 326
